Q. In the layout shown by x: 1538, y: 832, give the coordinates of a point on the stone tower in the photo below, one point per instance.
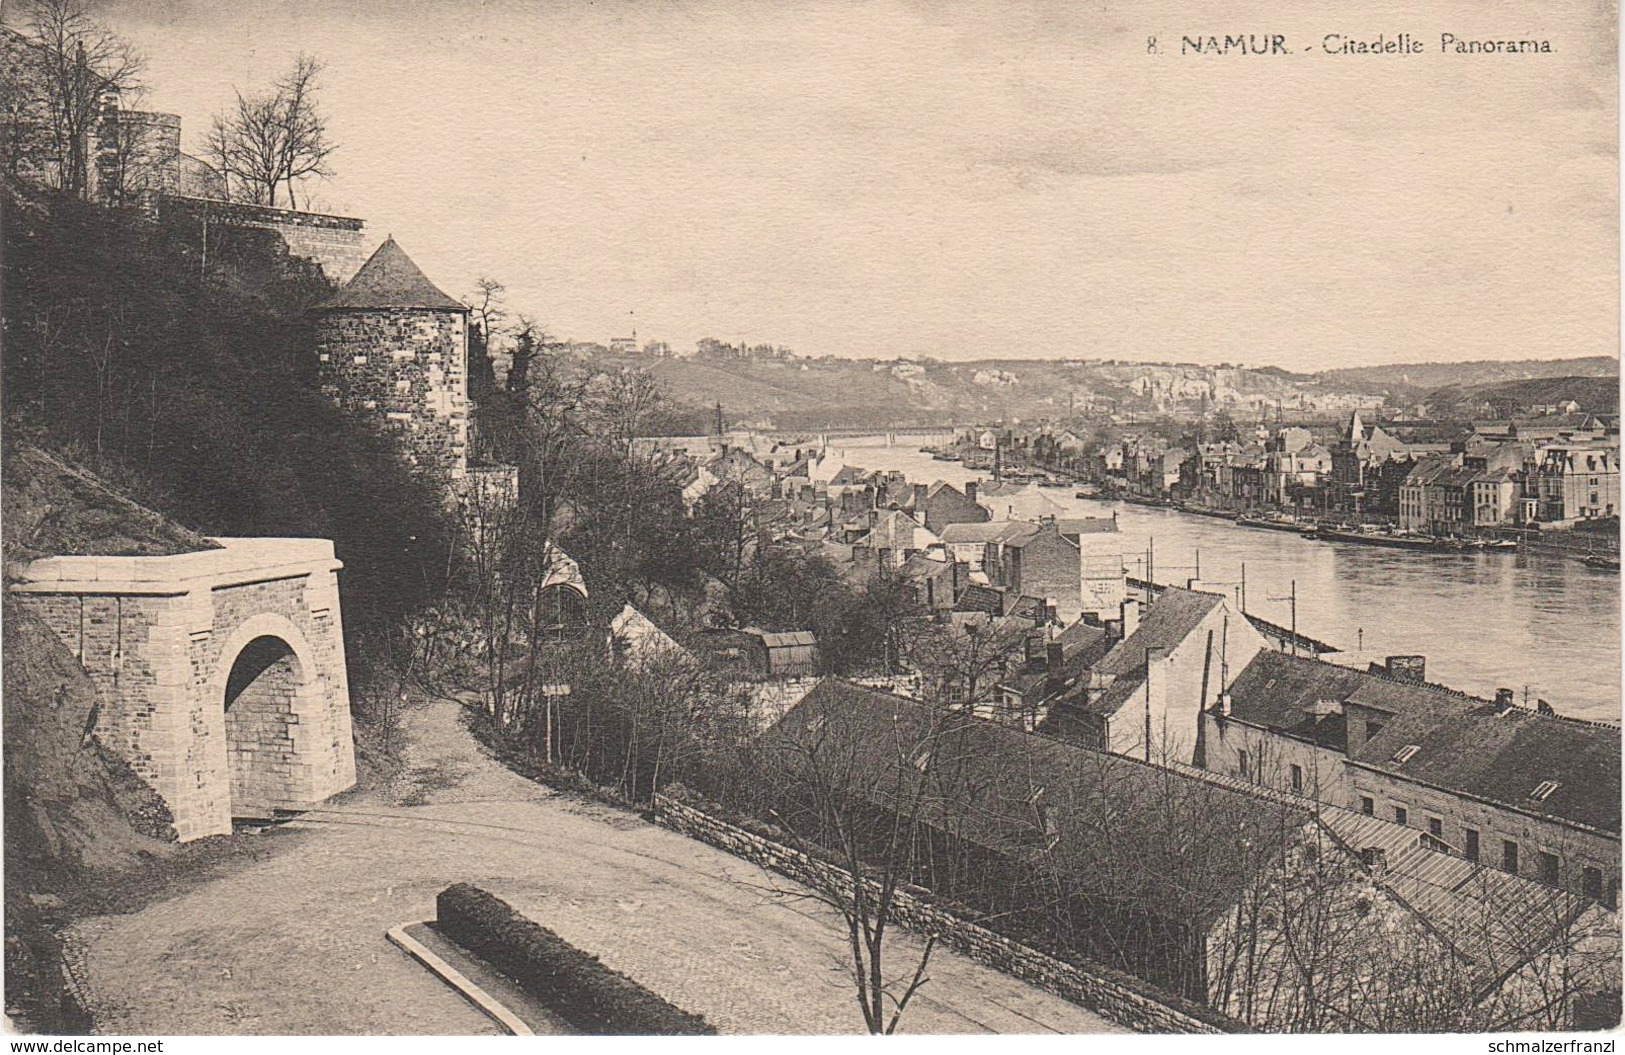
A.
x: 392, y: 347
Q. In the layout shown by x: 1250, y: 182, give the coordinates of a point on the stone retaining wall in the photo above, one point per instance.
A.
x: 1121, y: 998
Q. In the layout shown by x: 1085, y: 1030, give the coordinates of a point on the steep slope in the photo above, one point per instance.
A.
x: 836, y: 393
x: 73, y: 809
x: 1422, y: 377
x: 1595, y: 395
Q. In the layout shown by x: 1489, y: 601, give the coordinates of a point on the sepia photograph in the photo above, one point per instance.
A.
x: 589, y: 518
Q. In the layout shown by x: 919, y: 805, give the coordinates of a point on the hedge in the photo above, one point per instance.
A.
x: 573, y: 984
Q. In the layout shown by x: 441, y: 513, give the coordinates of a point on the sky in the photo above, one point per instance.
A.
x: 964, y: 180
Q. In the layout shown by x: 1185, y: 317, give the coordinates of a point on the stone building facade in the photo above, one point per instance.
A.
x: 392, y: 347
x: 220, y: 674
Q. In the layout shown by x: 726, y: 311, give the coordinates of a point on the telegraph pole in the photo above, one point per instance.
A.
x: 1293, y: 598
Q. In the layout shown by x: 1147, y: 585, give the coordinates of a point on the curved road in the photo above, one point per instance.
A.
x: 294, y: 943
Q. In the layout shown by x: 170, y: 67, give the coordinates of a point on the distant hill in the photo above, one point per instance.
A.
x: 1410, y: 381
x: 1595, y: 395
x: 867, y: 393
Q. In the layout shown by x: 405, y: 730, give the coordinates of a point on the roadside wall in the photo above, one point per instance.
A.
x: 1124, y: 1000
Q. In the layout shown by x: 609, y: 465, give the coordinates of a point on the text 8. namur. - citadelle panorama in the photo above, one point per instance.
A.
x: 1358, y: 44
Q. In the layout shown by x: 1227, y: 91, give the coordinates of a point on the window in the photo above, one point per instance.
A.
x: 1549, y: 868
x: 1241, y: 763
x: 1368, y: 806
x: 1297, y: 778
x: 1509, y: 855
x: 1591, y: 882
x: 922, y: 761
x: 1401, y: 816
x: 1405, y: 754
x: 1436, y: 827
x: 1373, y: 730
x: 1545, y: 788
x: 1470, y: 847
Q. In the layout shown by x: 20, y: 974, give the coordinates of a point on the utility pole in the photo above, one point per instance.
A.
x: 1292, y: 597
x: 1243, y: 587
x: 1148, y: 700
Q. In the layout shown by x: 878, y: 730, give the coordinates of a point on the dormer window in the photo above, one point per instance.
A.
x: 1405, y: 754
x: 1541, y: 793
x: 922, y: 761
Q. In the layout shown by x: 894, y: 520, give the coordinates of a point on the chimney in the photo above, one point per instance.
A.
x: 1131, y: 617
x: 1054, y: 656
x: 883, y: 556
x: 1504, y: 700
x: 1375, y: 858
x: 1224, y: 705
x: 1407, y: 668
x: 970, y: 490
x: 1035, y: 651
x: 920, y: 491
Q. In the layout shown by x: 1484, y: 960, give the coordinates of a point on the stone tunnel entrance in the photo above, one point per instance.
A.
x: 261, y: 695
x: 220, y: 673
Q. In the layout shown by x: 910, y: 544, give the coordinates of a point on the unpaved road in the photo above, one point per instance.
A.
x: 294, y: 943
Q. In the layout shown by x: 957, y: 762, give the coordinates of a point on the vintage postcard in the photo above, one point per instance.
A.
x: 1034, y: 517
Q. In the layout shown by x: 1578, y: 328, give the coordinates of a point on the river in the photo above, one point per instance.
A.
x: 1484, y: 621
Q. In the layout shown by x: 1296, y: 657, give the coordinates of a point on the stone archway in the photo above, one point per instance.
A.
x: 268, y: 692
x: 220, y: 673
x: 261, y: 698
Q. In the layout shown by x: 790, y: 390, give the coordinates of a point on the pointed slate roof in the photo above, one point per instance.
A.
x: 389, y: 279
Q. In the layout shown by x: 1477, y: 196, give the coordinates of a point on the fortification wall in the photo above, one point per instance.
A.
x: 406, y: 369
x: 334, y: 242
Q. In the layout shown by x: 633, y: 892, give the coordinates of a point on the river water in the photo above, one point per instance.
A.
x: 1484, y: 620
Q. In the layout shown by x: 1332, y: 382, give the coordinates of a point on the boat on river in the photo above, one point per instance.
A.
x: 1601, y: 562
x: 1204, y: 511
x: 1274, y: 523
x: 1394, y: 540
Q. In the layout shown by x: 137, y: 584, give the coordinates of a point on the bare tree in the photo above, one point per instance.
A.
x: 962, y: 661
x: 271, y: 141
x: 72, y: 64
x: 854, y: 796
x: 626, y: 400
x: 487, y: 307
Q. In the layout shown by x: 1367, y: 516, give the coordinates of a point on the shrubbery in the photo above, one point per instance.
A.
x: 188, y: 382
x: 572, y: 983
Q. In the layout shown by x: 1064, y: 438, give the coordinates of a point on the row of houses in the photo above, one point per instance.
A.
x: 1183, y: 676
x: 1556, y: 470
x: 1485, y: 833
